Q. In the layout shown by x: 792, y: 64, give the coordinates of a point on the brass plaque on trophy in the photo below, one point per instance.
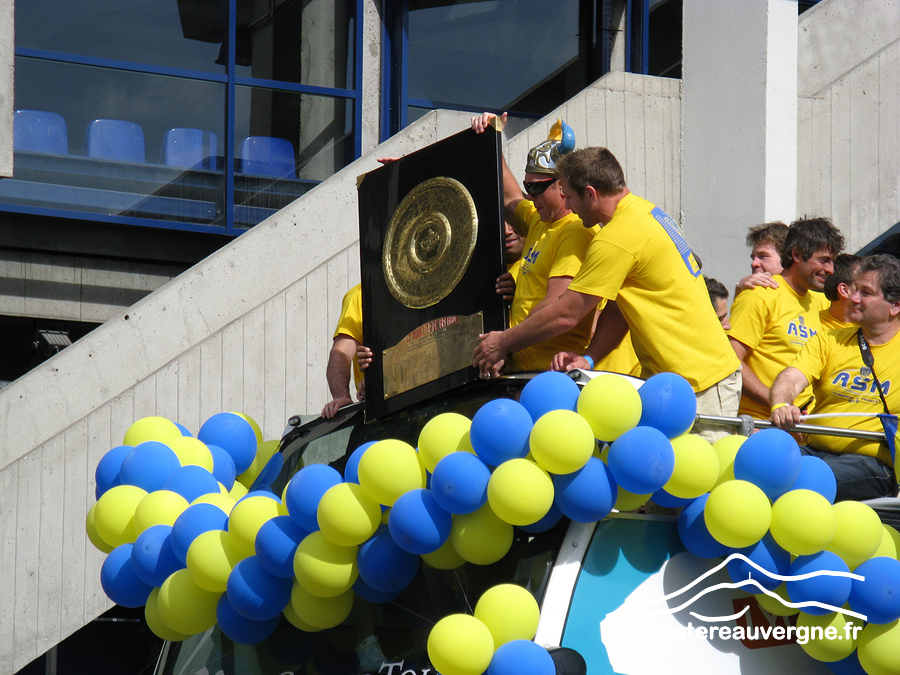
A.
x: 431, y: 248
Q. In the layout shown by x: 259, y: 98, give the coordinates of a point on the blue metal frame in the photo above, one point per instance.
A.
x: 231, y: 81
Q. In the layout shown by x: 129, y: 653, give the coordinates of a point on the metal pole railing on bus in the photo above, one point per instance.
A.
x: 746, y: 425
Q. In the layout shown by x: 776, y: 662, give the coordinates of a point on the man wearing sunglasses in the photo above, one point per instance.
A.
x: 555, y: 247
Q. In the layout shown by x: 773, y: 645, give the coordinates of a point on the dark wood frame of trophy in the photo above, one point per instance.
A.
x: 431, y: 249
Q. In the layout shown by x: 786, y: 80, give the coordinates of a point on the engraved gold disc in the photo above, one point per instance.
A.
x: 429, y: 242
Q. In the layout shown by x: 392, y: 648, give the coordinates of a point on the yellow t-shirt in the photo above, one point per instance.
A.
x: 551, y: 250
x: 514, y: 269
x: 774, y: 324
x: 831, y: 361
x: 623, y: 358
x: 828, y: 322
x: 641, y: 261
x: 350, y: 323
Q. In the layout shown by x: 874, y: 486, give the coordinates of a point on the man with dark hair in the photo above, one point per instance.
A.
x: 770, y: 325
x: 718, y: 296
x: 641, y: 266
x: 837, y: 290
x: 766, y: 243
x: 845, y: 380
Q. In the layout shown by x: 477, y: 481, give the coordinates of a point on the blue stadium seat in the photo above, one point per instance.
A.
x: 115, y: 139
x: 39, y: 131
x: 189, y: 149
x: 266, y: 156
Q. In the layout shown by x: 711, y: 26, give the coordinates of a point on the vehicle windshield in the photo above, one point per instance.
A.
x: 388, y: 637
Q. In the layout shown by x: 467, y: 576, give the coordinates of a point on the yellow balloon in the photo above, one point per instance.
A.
x: 520, y: 492
x: 247, y: 516
x: 389, y: 469
x: 317, y: 612
x: 611, y: 405
x: 481, y: 537
x: 160, y: 507
x: 696, y: 467
x: 264, y: 452
x: 93, y: 536
x: 890, y: 543
x: 879, y: 648
x: 773, y: 605
x: 155, y: 622
x: 253, y: 425
x: 346, y: 515
x: 628, y: 501
x: 323, y: 568
x: 726, y: 449
x: 238, y: 491
x: 803, y: 522
x: 191, y: 451
x: 114, y: 514
x: 185, y: 607
x: 445, y: 558
x: 510, y: 612
x: 562, y: 441
x: 737, y: 514
x: 441, y: 435
x: 297, y: 622
x: 211, y: 557
x: 151, y: 429
x: 858, y: 534
x: 460, y: 644
x: 820, y: 647
x: 223, y: 501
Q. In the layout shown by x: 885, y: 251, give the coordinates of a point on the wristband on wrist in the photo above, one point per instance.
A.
x: 589, y: 360
x: 779, y: 405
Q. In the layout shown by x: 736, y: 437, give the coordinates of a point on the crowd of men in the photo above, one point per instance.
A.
x: 600, y: 278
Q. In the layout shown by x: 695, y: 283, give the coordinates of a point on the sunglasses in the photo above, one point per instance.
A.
x: 537, y: 187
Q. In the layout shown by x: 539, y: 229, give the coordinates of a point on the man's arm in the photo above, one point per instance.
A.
x: 609, y: 331
x: 757, y: 279
x: 753, y: 387
x: 512, y: 194
x: 549, y: 321
x: 338, y: 373
x: 787, y: 386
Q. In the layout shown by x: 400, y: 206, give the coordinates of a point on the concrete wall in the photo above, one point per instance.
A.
x: 7, y: 67
x: 849, y: 116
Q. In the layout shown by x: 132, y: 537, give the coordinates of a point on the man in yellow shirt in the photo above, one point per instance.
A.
x: 770, y: 325
x: 766, y: 244
x: 342, y: 358
x: 554, y: 250
x: 641, y: 266
x: 837, y: 290
x: 833, y: 363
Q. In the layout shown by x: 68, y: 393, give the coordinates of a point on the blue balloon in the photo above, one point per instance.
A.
x: 549, y: 391
x: 663, y: 498
x: 184, y: 430
x: 770, y: 459
x: 816, y: 475
x: 153, y: 557
x: 194, y: 521
x: 849, y: 665
x: 554, y: 515
x: 254, y: 593
x: 521, y: 657
x: 270, y: 472
x: 304, y: 492
x: 107, y: 473
x: 417, y: 523
x: 500, y: 431
x: 384, y: 566
x: 641, y: 460
x: 239, y: 628
x: 694, y: 534
x: 366, y: 592
x: 234, y: 435
x: 119, y: 580
x: 191, y: 481
x: 668, y: 404
x: 459, y: 482
x: 276, y: 544
x: 768, y: 555
x: 149, y: 465
x: 878, y: 596
x: 223, y: 466
x: 825, y: 589
x: 351, y: 468
x: 587, y: 495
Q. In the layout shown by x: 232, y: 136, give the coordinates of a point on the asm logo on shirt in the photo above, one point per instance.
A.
x: 800, y: 329
x: 532, y: 255
x: 862, y: 382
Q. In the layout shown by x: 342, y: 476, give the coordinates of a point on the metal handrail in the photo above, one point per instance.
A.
x: 746, y: 425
